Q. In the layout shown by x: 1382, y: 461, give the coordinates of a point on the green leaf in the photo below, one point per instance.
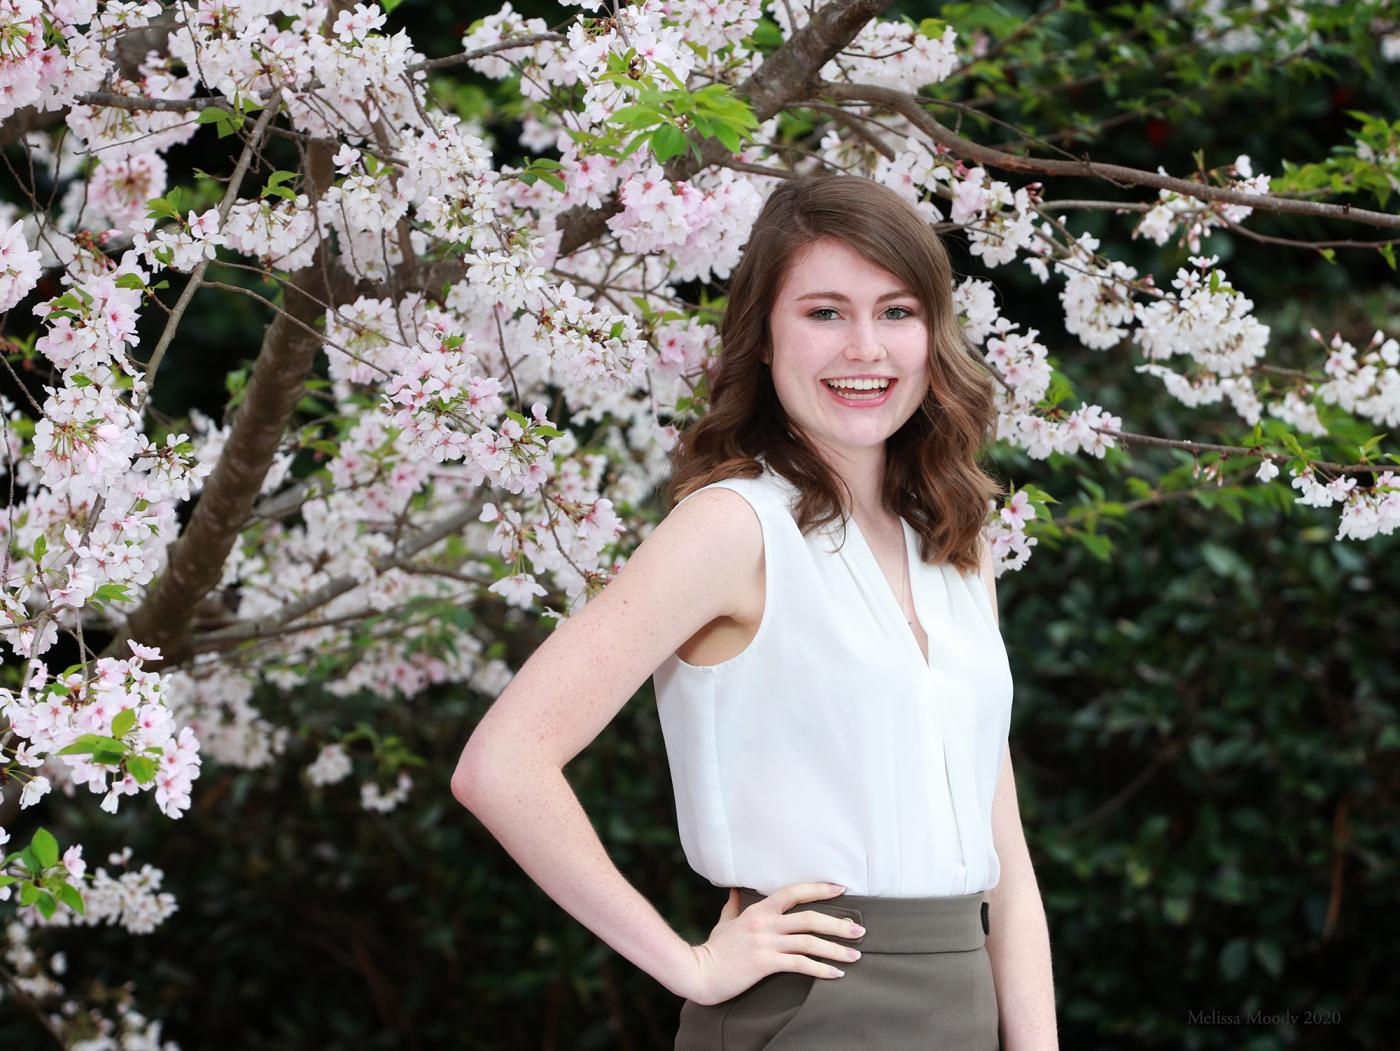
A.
x: 44, y: 902
x: 730, y: 138
x: 1225, y: 562
x: 102, y: 749
x: 1369, y: 445
x: 123, y: 721
x: 1234, y: 959
x: 636, y: 117
x: 274, y: 187
x: 83, y: 744
x: 45, y: 847
x: 212, y: 115
x: 1176, y: 910
x: 1270, y: 957
x: 1098, y: 545
x: 667, y: 141
x: 107, y: 755
x: 142, y: 768
x: 631, y: 147
x: 111, y: 591
x: 69, y: 895
x: 766, y: 35
x: 160, y: 208
x: 389, y: 5
x: 670, y: 75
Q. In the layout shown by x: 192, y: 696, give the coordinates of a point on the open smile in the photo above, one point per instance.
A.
x: 866, y: 395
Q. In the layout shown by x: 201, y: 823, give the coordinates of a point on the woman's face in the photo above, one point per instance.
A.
x: 839, y: 316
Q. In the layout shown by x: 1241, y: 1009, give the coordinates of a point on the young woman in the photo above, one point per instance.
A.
x: 819, y: 614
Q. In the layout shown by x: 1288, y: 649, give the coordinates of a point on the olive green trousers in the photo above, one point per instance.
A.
x: 923, y: 983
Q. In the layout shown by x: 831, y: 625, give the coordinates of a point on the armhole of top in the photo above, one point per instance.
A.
x: 768, y: 545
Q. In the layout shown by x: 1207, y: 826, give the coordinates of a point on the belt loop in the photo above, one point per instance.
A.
x: 986, y: 927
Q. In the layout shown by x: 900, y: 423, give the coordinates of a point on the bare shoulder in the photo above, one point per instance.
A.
x: 713, y: 540
x: 698, y: 564
x: 723, y: 527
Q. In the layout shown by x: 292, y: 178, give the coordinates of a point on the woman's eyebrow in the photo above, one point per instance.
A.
x: 846, y: 299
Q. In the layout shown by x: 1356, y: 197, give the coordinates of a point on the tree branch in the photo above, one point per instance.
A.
x: 332, y: 589
x: 225, y: 206
x: 911, y: 107
x: 789, y: 73
x: 196, y: 559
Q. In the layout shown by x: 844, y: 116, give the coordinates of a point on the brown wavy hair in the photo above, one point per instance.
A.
x: 932, y: 478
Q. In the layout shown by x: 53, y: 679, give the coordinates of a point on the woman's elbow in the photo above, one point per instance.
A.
x: 467, y: 779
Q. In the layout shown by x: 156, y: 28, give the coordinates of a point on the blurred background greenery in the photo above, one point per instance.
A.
x: 1204, y: 729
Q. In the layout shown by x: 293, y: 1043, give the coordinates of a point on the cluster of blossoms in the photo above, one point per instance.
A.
x: 1210, y: 325
x: 1195, y: 218
x: 1365, y: 382
x: 333, y: 765
x: 119, y: 701
x: 182, y: 246
x: 1006, y: 535
x: 885, y: 53
x: 701, y: 230
x: 132, y: 900
x: 1020, y: 362
x: 19, y: 266
x: 1000, y: 221
x: 376, y: 799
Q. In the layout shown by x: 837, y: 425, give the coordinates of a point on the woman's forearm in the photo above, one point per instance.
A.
x: 535, y: 815
x: 1019, y: 945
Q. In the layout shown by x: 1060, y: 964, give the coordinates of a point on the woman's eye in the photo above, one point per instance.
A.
x: 831, y: 310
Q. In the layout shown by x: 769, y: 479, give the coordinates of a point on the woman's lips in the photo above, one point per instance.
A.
x: 862, y: 403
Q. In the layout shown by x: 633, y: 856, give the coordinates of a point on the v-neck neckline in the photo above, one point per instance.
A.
x: 893, y: 606
x: 891, y: 601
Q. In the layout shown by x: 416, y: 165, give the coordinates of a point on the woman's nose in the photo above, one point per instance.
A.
x: 865, y: 341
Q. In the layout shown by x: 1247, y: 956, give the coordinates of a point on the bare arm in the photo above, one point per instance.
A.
x: 698, y: 564
x: 1019, y: 942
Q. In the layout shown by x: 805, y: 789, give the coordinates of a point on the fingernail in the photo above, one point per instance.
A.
x: 857, y: 928
x: 837, y: 887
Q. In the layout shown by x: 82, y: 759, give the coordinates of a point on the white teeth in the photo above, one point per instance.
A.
x: 859, y: 384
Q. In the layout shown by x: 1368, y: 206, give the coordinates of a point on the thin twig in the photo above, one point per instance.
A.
x: 196, y: 276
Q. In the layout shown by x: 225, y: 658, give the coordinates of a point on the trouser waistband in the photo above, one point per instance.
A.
x: 942, y: 924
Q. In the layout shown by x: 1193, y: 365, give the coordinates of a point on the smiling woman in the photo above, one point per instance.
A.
x: 843, y: 284
x: 848, y: 720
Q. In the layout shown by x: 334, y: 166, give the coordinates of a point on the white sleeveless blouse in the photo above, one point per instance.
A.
x: 831, y: 749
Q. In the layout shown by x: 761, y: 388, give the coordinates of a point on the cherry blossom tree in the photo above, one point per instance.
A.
x: 472, y: 372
